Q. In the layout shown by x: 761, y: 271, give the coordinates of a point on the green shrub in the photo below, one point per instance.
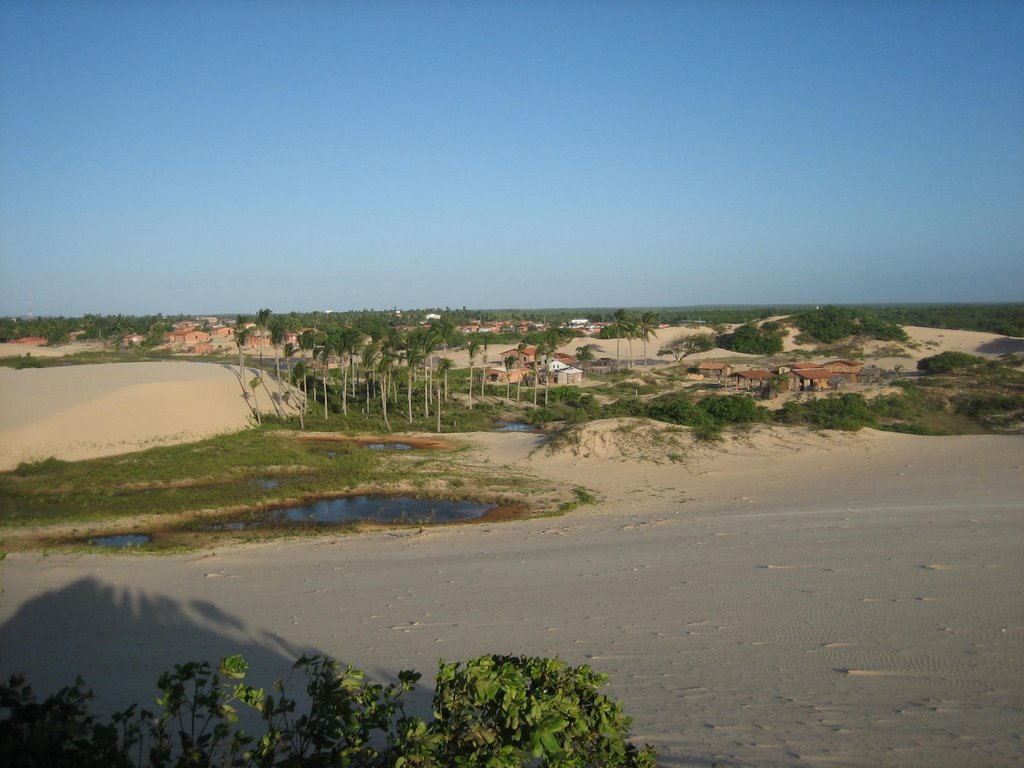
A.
x: 494, y: 711
x: 847, y: 412
x: 952, y: 362
x: 752, y: 340
x: 830, y: 324
x: 981, y: 405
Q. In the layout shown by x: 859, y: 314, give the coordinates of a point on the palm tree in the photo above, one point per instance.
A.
x: 299, y: 369
x: 306, y: 343
x: 414, y: 356
x: 262, y: 323
x: 585, y: 354
x: 645, y: 326
x: 384, y: 368
x: 256, y: 381
x: 444, y: 366
x: 519, y: 365
x: 276, y: 339
x: 241, y: 333
x: 369, y: 355
x: 471, y: 347
x: 509, y: 361
x: 347, y: 343
x: 552, y: 338
x: 620, y: 326
x: 483, y: 364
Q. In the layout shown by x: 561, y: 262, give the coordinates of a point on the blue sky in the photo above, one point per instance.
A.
x: 225, y: 156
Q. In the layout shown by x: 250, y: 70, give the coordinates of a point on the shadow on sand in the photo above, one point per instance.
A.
x: 120, y: 641
x: 1005, y: 345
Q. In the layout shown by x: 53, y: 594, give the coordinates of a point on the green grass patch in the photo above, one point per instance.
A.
x: 245, y: 468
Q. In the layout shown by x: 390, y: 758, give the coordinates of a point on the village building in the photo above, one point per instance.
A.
x: 257, y: 341
x: 847, y: 370
x: 870, y: 374
x: 561, y: 373
x: 222, y: 332
x: 502, y: 376
x: 524, y: 358
x: 750, y: 379
x: 186, y: 338
x: 809, y: 379
x: 711, y: 369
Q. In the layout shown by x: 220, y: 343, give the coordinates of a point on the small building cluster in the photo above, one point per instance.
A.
x: 793, y: 377
x: 523, y: 365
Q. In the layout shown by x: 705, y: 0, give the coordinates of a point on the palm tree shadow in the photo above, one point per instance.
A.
x: 120, y: 640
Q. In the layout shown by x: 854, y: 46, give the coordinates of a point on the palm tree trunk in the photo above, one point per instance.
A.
x: 408, y: 394
x: 384, y: 401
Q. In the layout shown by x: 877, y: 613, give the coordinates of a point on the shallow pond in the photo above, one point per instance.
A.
x: 512, y: 426
x: 388, y: 446
x: 352, y: 509
x: 121, y: 540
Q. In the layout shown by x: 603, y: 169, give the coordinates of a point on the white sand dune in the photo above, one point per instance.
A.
x: 783, y: 598
x: 79, y: 412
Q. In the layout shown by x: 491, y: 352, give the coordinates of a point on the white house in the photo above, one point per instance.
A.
x: 560, y: 373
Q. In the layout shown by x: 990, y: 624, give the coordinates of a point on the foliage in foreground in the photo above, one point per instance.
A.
x: 494, y: 711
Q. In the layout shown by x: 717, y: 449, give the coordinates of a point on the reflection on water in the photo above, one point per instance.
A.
x: 389, y: 446
x: 352, y: 509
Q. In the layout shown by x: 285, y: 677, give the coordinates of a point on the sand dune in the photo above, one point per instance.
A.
x: 80, y: 412
x: 783, y: 598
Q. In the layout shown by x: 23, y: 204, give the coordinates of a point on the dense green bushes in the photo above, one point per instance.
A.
x: 848, y: 412
x: 497, y: 711
x: 831, y: 324
x: 952, y: 362
x: 707, y: 417
x: 753, y: 340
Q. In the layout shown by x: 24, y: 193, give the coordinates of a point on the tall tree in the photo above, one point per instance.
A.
x: 385, y: 364
x: 277, y: 331
x: 483, y: 364
x: 520, y: 356
x: 684, y: 346
x: 585, y: 354
x: 621, y: 326
x: 645, y: 326
x: 471, y: 347
x: 509, y: 362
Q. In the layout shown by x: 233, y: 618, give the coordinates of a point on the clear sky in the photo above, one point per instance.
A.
x: 224, y: 156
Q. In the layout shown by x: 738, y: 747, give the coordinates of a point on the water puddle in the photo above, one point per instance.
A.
x: 121, y: 540
x: 353, y: 509
x: 388, y: 446
x: 512, y: 426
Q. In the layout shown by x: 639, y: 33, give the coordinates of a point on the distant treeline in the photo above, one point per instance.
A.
x: 1005, y: 319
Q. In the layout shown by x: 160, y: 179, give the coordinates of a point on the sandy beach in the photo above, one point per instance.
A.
x: 782, y: 598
